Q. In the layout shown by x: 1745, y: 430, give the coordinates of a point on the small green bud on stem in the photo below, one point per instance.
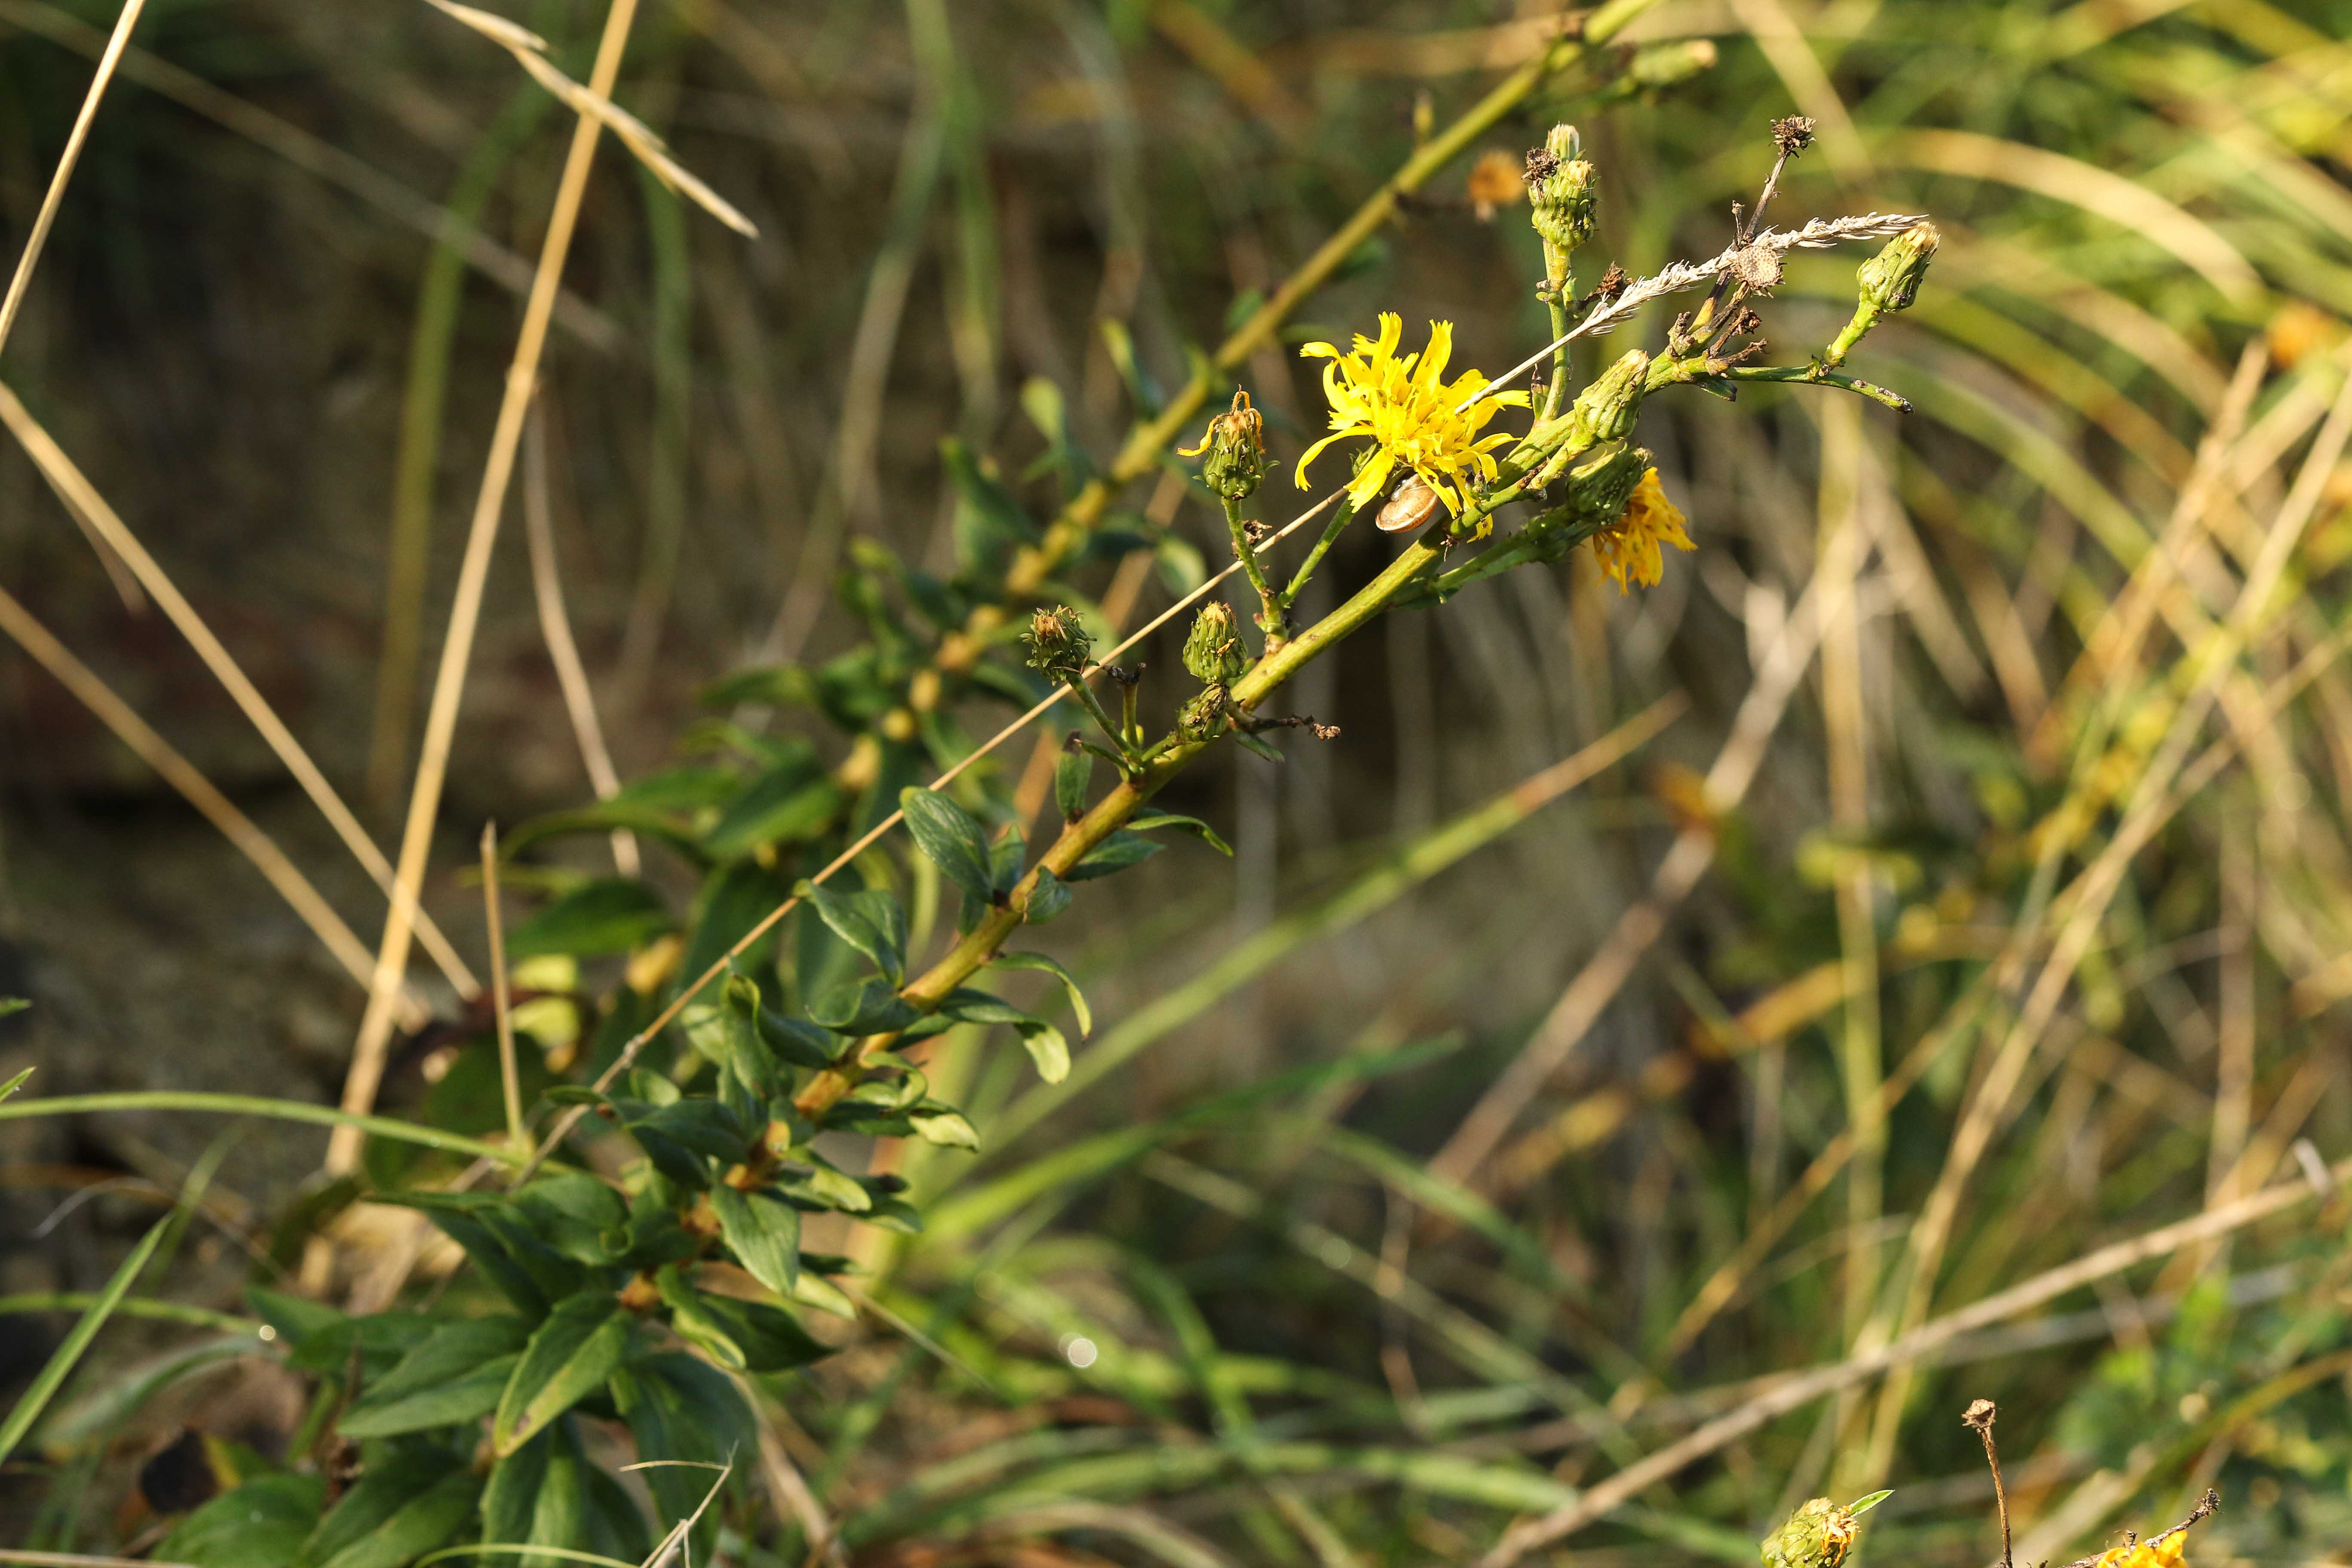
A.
x: 1887, y: 282
x: 1235, y: 446
x: 1058, y: 649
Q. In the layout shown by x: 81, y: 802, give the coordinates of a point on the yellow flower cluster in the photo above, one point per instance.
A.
x: 1628, y: 548
x: 1405, y: 405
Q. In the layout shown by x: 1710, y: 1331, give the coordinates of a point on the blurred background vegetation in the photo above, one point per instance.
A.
x: 1471, y: 1145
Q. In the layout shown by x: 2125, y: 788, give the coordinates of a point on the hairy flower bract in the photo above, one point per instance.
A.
x: 1628, y: 548
x: 1407, y: 407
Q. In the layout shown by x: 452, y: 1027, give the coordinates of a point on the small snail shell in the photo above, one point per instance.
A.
x: 1413, y: 504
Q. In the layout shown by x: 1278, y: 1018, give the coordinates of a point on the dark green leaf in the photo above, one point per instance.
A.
x: 1038, y: 961
x: 743, y: 1335
x: 456, y: 1375
x: 1006, y: 857
x: 872, y: 922
x: 573, y: 1212
x: 969, y: 1006
x: 261, y: 1524
x: 1116, y: 853
x: 678, y: 1408
x: 617, y: 815
x: 763, y: 1234
x: 571, y: 1355
x: 1072, y: 775
x: 784, y: 807
x: 732, y: 901
x: 861, y: 1007
x: 802, y: 1045
x: 538, y: 1495
x: 727, y: 1031
x: 408, y: 1502
x: 614, y: 914
x: 989, y: 524
x: 953, y: 841
x: 1048, y: 897
x: 774, y: 686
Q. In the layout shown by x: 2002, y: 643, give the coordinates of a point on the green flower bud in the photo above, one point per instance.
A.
x: 1058, y: 645
x: 1204, y: 717
x: 1604, y: 410
x: 1236, y: 448
x: 1890, y: 280
x: 1818, y: 1535
x: 1559, y: 191
x: 1213, y: 652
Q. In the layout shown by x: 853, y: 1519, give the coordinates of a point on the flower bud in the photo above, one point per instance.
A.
x: 1818, y: 1535
x: 1213, y: 652
x: 1660, y: 66
x: 1890, y: 280
x: 1058, y: 644
x: 1235, y: 444
x: 1559, y: 191
x: 1204, y: 717
x: 1604, y: 410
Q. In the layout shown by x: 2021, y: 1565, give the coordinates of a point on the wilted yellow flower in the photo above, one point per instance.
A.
x: 1406, y: 405
x: 1628, y: 548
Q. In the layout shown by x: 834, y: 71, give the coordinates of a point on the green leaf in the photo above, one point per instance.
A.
x: 573, y: 1213
x: 261, y: 1524
x: 949, y: 839
x: 456, y: 1375
x: 763, y: 1233
x: 62, y: 1361
x: 743, y: 1336
x: 1006, y: 858
x: 815, y: 1290
x: 1116, y: 853
x: 678, y: 1408
x: 774, y: 686
x: 1865, y: 1504
x: 800, y: 1043
x: 1048, y: 897
x: 408, y: 1502
x: 1048, y: 1048
x: 867, y: 1007
x: 613, y: 914
x: 949, y: 1129
x: 1151, y: 821
x: 830, y: 1188
x: 295, y: 1319
x: 1072, y: 776
x: 567, y: 1358
x: 538, y: 1495
x: 872, y: 922
x: 727, y: 1031
x: 16, y: 1083
x: 12, y: 1005
x: 1038, y: 961
x: 970, y: 1005
x: 732, y: 901
x: 1258, y: 743
x: 783, y: 806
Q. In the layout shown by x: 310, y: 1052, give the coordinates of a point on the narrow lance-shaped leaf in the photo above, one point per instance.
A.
x: 571, y: 1355
x: 951, y: 840
x: 1038, y: 961
x: 872, y: 922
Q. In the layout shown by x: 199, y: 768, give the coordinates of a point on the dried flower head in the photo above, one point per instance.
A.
x: 1757, y: 268
x: 1235, y: 443
x: 1405, y: 405
x: 1628, y: 548
x: 1058, y: 644
x: 1792, y: 135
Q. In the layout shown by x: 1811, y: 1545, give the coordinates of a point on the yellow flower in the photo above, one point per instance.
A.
x: 1628, y: 548
x: 2165, y: 1551
x: 1406, y: 405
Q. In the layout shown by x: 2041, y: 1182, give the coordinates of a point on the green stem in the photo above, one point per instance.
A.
x: 1864, y: 318
x: 1818, y: 375
x: 1124, y: 756
x: 255, y: 1105
x: 1271, y: 620
x: 1341, y: 519
x: 129, y: 1307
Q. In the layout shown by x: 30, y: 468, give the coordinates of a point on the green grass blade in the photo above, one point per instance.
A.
x: 61, y: 1364
x: 257, y: 1105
